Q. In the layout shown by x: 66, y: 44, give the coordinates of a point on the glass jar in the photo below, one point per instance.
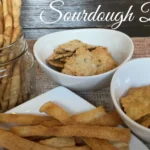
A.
x: 17, y: 74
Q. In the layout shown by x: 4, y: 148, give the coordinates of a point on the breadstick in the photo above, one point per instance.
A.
x: 8, y: 21
x: 20, y: 99
x: 97, y: 116
x: 98, y: 144
x: 1, y: 40
x: 107, y: 133
x: 9, y: 4
x: 1, y: 10
x: 24, y: 119
x: 89, y: 116
x: 93, y: 116
x: 1, y: 24
x: 16, y: 11
x: 4, y: 81
x: 16, y: 79
x: 57, y: 112
x: 109, y: 119
x: 16, y: 34
x: 77, y: 148
x: 5, y: 7
x: 15, y: 86
x: 10, y: 141
x: 5, y: 101
x: 6, y: 74
x: 51, y: 123
x: 7, y: 40
x: 59, y: 142
x: 24, y: 79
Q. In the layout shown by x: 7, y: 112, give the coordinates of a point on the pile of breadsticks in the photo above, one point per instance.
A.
x: 91, y: 130
x: 10, y: 74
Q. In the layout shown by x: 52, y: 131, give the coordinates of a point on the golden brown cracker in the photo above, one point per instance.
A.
x: 56, y: 63
x: 56, y: 56
x: 145, y: 121
x: 71, y: 46
x: 59, y: 50
x: 105, y: 61
x: 89, y: 47
x: 137, y: 103
x: 82, y: 64
x: 63, y: 59
x: 66, y: 71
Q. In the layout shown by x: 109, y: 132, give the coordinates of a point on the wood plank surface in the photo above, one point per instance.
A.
x: 34, y: 27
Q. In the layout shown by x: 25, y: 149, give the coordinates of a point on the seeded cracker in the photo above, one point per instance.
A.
x: 63, y: 59
x: 67, y: 71
x: 137, y: 103
x: 60, y: 50
x: 71, y: 46
x: 55, y: 56
x: 145, y: 121
x: 56, y: 63
x: 105, y: 61
x: 83, y: 64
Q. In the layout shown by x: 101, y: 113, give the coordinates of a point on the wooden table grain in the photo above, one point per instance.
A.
x: 35, y: 28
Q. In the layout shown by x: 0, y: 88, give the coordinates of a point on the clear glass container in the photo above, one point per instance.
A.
x: 17, y: 74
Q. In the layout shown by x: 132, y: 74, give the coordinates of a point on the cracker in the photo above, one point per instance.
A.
x: 89, y: 47
x: 60, y: 50
x: 55, y: 56
x: 105, y: 61
x: 66, y: 71
x: 82, y: 64
x: 145, y: 121
x: 80, y: 51
x: 137, y: 103
x: 63, y: 59
x: 74, y: 45
x: 71, y: 46
x: 56, y: 63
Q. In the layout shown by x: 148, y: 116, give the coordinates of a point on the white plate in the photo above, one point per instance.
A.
x: 71, y: 102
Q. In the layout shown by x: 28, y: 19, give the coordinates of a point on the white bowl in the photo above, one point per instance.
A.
x: 119, y: 45
x: 135, y: 73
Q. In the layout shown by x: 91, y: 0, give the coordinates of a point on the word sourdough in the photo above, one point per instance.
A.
x: 117, y: 18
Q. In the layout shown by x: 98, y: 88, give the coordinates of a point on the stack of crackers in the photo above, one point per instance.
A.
x: 136, y: 105
x: 80, y: 59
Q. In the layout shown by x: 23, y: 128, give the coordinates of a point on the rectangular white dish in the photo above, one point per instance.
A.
x: 71, y: 102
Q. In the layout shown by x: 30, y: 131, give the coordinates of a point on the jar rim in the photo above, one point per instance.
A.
x: 16, y: 58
